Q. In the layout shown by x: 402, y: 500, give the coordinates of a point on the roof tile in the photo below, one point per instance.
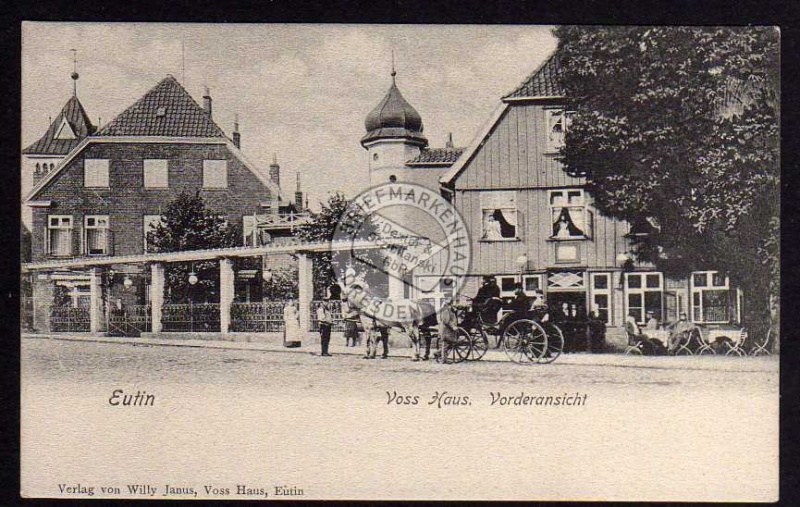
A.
x: 436, y: 156
x: 77, y: 118
x: 543, y: 82
x: 182, y: 116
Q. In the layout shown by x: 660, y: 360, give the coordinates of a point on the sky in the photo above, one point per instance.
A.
x: 301, y: 92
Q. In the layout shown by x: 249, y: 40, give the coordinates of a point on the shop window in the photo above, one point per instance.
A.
x: 712, y: 300
x: 507, y: 283
x: 601, y: 295
x: 644, y: 292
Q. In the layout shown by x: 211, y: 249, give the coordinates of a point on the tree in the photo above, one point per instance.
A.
x: 681, y: 125
x: 187, y: 224
x: 322, y: 228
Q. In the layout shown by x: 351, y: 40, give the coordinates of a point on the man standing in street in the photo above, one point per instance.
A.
x: 325, y: 320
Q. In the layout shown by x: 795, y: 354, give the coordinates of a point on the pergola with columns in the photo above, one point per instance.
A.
x: 157, y: 261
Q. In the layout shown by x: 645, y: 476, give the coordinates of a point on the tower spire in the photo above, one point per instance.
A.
x: 394, y: 72
x: 74, y: 74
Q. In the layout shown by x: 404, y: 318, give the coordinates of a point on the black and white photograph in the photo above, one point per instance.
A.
x: 400, y: 262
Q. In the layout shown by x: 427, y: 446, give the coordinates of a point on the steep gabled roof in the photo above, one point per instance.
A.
x: 436, y: 156
x: 543, y: 82
x: 77, y: 120
x: 166, y: 110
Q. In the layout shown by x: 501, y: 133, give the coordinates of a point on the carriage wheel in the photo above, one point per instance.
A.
x: 555, y: 344
x: 479, y: 343
x: 458, y: 348
x: 524, y: 341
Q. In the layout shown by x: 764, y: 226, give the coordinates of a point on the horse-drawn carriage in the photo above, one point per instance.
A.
x: 525, y: 336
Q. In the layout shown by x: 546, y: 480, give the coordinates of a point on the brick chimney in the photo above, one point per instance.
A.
x: 275, y: 171
x: 298, y: 196
x: 237, y: 137
x: 449, y: 143
x: 207, y: 102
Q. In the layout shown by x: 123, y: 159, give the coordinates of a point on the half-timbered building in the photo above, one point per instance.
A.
x: 532, y: 223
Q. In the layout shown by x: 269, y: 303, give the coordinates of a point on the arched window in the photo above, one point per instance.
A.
x: 392, y: 179
x: 51, y: 166
x: 36, y: 171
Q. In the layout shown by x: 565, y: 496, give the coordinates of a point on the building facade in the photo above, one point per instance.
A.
x: 531, y: 223
x: 112, y: 185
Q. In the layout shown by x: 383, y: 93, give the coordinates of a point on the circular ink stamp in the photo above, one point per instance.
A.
x: 401, y: 249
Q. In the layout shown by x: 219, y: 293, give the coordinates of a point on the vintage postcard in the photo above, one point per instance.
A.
x: 399, y: 262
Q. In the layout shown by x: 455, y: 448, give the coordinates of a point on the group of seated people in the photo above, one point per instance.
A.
x: 678, y: 332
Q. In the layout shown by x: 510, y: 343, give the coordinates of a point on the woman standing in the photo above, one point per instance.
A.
x: 291, y: 328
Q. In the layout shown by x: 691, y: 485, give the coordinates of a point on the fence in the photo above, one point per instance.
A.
x: 338, y: 322
x: 132, y: 320
x: 257, y: 317
x: 192, y: 317
x: 69, y: 319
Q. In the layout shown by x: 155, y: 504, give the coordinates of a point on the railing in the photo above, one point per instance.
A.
x: 338, y: 322
x: 192, y: 317
x: 131, y: 320
x: 257, y: 317
x: 69, y: 319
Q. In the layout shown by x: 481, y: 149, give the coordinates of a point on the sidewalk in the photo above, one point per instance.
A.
x: 272, y: 342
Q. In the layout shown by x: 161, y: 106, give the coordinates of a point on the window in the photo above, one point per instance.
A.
x: 156, y: 174
x: 644, y: 293
x: 150, y: 224
x: 499, y: 216
x: 557, y: 124
x: 95, y: 239
x: 59, y: 235
x: 215, y: 173
x: 95, y: 172
x: 570, y: 218
x: 711, y: 297
x: 530, y: 284
x: 65, y: 131
x: 601, y: 295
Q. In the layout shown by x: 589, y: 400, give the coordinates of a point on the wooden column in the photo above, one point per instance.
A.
x: 306, y: 290
x: 156, y: 294
x: 226, y: 293
x: 96, y: 310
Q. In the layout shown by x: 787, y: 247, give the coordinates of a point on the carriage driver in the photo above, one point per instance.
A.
x: 488, y: 290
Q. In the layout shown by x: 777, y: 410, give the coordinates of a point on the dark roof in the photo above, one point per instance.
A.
x: 542, y: 83
x: 78, y: 120
x: 182, y: 116
x: 394, y: 117
x: 436, y: 156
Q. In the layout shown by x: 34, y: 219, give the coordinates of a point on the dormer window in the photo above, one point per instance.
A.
x: 65, y: 131
x: 557, y: 123
x: 161, y: 112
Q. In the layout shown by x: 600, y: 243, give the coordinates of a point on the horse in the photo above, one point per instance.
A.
x: 380, y: 315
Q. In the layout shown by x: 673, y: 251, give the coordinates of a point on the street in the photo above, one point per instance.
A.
x: 345, y: 427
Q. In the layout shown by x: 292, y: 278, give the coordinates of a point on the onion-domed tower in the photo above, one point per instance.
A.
x: 394, y: 136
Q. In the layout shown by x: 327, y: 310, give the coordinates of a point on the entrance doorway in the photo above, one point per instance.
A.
x: 568, y: 311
